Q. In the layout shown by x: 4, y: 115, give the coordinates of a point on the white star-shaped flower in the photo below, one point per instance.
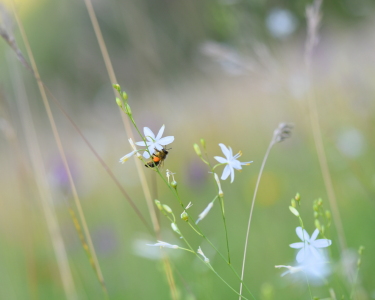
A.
x: 154, y: 142
x: 309, y: 245
x: 231, y: 161
x: 164, y: 245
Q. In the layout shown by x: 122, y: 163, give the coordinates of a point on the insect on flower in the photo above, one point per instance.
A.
x: 158, y: 158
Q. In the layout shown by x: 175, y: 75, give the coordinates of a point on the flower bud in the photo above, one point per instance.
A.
x: 127, y: 109
x: 204, y: 212
x: 221, y: 193
x: 203, y: 143
x: 185, y: 216
x: 293, y: 203
x: 317, y: 224
x: 124, y: 96
x: 315, y: 208
x: 117, y: 87
x: 158, y: 204
x: 297, y: 197
x: 175, y: 228
x: 294, y: 211
x: 328, y: 214
x: 359, y: 262
x: 320, y: 201
x: 360, y: 250
x: 323, y: 229
x: 316, y: 215
x: 206, y: 259
x: 167, y: 209
x: 119, y: 102
x: 197, y: 150
x: 174, y: 184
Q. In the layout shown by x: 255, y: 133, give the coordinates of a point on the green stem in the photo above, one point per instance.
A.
x: 212, y: 269
x: 354, y: 283
x: 192, y: 227
x: 225, y: 226
x: 174, y: 191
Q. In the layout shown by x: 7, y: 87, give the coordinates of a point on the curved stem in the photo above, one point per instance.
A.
x: 251, y: 210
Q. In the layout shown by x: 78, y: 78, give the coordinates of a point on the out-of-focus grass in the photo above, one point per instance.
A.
x: 192, y: 102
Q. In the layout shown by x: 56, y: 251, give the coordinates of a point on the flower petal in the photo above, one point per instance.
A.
x: 158, y: 146
x: 322, y: 243
x: 303, y: 235
x: 148, y: 133
x: 246, y: 163
x: 225, y: 151
x: 146, y: 155
x: 314, y: 235
x: 142, y: 143
x: 301, y: 255
x: 236, y: 164
x: 297, y: 245
x: 226, y: 172
x: 231, y: 152
x: 315, y: 253
x: 166, y: 140
x: 160, y: 133
x: 231, y: 173
x: 221, y: 160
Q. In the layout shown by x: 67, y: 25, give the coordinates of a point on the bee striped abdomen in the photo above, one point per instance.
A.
x: 157, y: 158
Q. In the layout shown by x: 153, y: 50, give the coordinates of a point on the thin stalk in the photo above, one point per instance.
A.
x: 141, y: 174
x: 222, y: 207
x: 252, y: 209
x: 113, y: 79
x: 313, y: 15
x: 94, y: 261
x: 354, y: 284
x: 318, y: 141
x: 21, y: 58
x: 225, y: 226
x: 203, y: 235
x: 43, y: 189
x: 212, y: 269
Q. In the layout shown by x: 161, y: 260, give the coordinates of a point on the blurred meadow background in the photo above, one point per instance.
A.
x: 228, y: 71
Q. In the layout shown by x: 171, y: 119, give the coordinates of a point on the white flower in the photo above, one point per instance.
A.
x: 291, y: 269
x: 127, y: 156
x: 231, y: 161
x: 134, y: 147
x: 169, y: 173
x: 154, y: 142
x: 309, y: 245
x: 205, y: 212
x: 206, y: 259
x: 164, y: 244
x: 315, y: 268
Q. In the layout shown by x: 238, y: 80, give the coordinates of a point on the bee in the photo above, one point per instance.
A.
x: 157, y: 158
